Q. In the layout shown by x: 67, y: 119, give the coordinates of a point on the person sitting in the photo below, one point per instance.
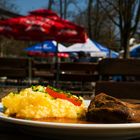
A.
x: 83, y: 57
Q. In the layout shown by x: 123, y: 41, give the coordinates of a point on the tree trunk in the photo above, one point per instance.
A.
x: 61, y: 8
x: 125, y: 44
x: 96, y: 22
x: 50, y: 4
x: 89, y: 18
x: 65, y: 9
x: 126, y: 28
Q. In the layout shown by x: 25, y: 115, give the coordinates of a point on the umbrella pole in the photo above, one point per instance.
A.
x: 30, y: 70
x: 57, y: 66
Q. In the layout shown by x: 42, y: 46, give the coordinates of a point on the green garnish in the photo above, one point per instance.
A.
x: 38, y: 88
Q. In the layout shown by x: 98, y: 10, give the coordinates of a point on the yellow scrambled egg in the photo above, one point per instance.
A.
x: 30, y: 104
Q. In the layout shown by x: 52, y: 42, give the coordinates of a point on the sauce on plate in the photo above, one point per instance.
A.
x: 64, y: 120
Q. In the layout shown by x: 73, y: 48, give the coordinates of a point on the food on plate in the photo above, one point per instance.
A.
x: 52, y: 104
x: 107, y: 109
x: 43, y: 102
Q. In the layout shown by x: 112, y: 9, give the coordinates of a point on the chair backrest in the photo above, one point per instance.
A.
x: 128, y: 67
x: 123, y: 90
x: 129, y: 72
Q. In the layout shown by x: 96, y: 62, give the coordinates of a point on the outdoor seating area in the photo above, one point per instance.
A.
x: 24, y: 72
x: 115, y: 77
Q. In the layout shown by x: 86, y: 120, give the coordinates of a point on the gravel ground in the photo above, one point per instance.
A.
x: 7, y: 89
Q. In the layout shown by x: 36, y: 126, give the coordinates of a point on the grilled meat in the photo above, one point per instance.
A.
x: 107, y: 109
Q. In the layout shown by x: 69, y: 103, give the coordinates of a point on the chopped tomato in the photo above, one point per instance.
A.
x: 62, y: 95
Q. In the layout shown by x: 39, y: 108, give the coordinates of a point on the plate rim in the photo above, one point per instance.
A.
x: 68, y: 125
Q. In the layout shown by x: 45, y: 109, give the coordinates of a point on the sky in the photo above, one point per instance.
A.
x: 24, y: 6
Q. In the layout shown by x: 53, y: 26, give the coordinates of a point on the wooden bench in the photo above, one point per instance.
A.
x: 85, y: 72
x: 127, y: 70
x: 15, y: 70
x: 43, y: 72
x: 78, y: 77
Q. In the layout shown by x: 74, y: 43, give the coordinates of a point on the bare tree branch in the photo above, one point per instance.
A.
x: 137, y: 17
x: 107, y: 12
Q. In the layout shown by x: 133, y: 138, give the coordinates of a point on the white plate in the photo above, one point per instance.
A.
x: 76, y: 131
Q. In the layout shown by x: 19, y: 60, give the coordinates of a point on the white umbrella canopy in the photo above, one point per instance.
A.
x: 61, y: 48
x: 95, y: 49
x: 88, y: 46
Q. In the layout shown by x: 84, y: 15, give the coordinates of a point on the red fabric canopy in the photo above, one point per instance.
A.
x: 41, y: 54
x: 42, y: 25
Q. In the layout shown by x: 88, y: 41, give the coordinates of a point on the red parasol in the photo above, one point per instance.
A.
x: 42, y: 25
